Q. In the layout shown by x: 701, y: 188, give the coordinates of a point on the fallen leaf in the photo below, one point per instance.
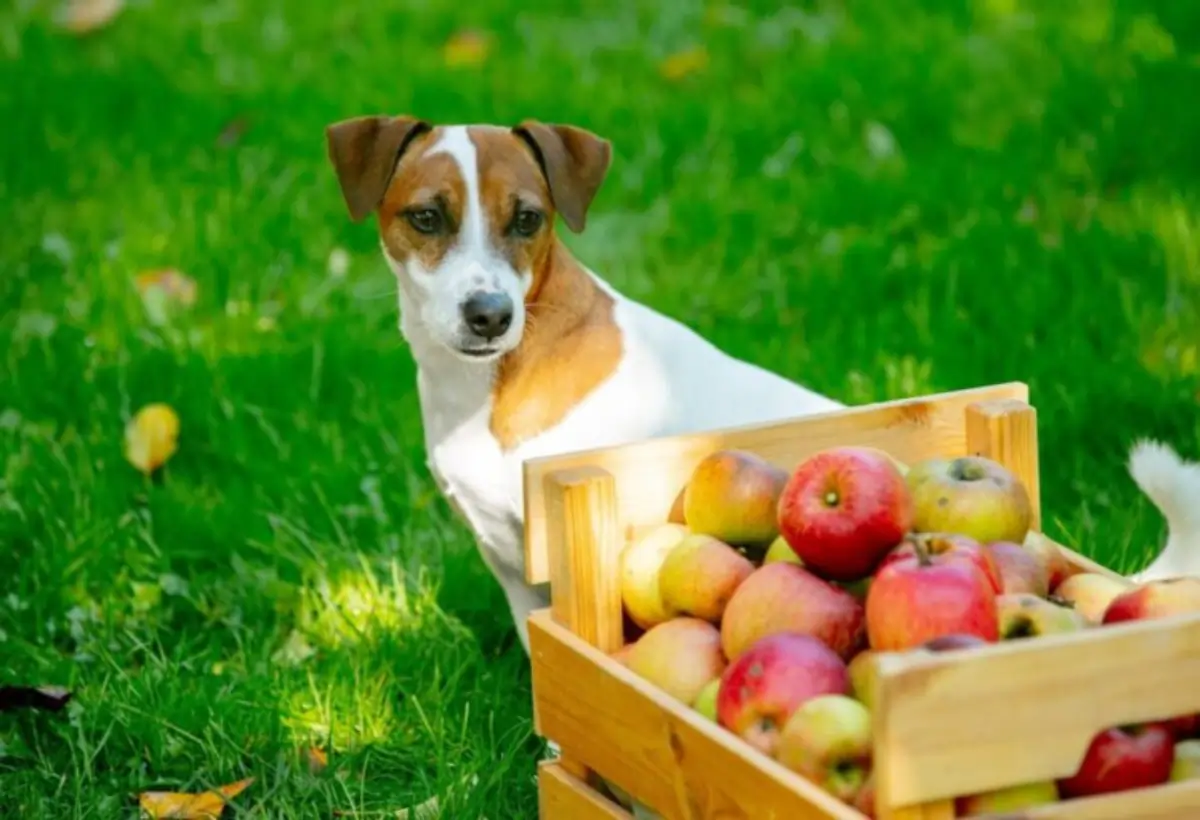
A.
x: 46, y: 698
x: 232, y: 132
x: 151, y: 437
x: 467, y: 49
x: 164, y: 290
x: 316, y: 758
x: 85, y: 16
x: 684, y: 63
x: 182, y: 806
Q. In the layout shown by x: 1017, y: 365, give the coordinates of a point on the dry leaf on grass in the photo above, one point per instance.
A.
x: 683, y: 64
x: 46, y: 698
x: 467, y: 48
x: 316, y: 759
x: 151, y: 437
x: 85, y: 16
x: 163, y: 291
x: 182, y: 806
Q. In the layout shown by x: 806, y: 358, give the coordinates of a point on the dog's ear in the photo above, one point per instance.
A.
x: 364, y: 152
x: 575, y: 163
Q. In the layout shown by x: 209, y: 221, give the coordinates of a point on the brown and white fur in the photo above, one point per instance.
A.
x: 520, y: 349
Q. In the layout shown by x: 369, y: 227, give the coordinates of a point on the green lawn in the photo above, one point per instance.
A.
x: 920, y: 196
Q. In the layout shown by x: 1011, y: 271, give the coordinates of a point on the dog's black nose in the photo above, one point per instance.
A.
x: 488, y: 314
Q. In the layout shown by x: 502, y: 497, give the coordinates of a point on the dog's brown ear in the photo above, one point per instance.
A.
x: 364, y: 152
x: 575, y: 163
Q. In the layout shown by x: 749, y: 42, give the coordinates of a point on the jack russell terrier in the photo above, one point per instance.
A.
x: 522, y: 351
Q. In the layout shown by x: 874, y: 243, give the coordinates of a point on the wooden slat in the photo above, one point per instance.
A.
x: 649, y: 474
x: 661, y: 752
x: 1022, y: 711
x: 1174, y: 801
x: 562, y: 796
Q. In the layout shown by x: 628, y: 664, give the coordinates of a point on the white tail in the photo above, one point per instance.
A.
x: 1174, y: 486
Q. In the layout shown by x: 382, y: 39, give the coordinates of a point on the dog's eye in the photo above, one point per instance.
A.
x: 425, y: 220
x: 527, y: 222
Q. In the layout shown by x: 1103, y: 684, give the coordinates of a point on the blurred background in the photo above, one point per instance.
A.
x: 878, y: 199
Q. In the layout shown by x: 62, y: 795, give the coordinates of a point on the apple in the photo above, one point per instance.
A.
x: 915, y: 599
x: 641, y: 562
x: 733, y: 495
x: 1184, y: 727
x: 1023, y: 615
x: 781, y: 552
x: 1010, y: 799
x: 706, y: 702
x: 787, y: 598
x: 680, y: 656
x: 1090, y: 593
x: 949, y: 545
x: 676, y: 516
x: 861, y: 670
x: 1058, y: 568
x: 864, y: 803
x: 1020, y: 570
x: 969, y: 495
x: 843, y: 509
x: 953, y: 642
x: 699, y: 576
x: 1186, y: 763
x: 1155, y: 599
x: 771, y: 679
x: 1122, y: 758
x: 621, y: 655
x: 828, y: 740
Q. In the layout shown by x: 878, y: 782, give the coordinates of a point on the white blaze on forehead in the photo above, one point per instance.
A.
x: 456, y: 141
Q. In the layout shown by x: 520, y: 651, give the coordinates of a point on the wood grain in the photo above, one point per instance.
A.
x: 649, y: 474
x: 561, y: 796
x: 1006, y: 431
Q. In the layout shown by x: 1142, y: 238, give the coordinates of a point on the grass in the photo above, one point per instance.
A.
x: 918, y: 196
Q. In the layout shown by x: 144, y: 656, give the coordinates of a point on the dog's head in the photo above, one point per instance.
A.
x: 466, y: 214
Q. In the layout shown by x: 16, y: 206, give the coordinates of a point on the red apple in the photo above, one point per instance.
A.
x: 1184, y: 727
x: 784, y: 597
x: 1020, y: 570
x: 916, y: 599
x: 770, y: 680
x: 843, y: 509
x: 1122, y: 758
x: 951, y: 546
x: 1155, y: 599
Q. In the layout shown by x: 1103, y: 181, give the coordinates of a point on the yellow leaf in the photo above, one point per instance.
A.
x: 84, y: 16
x: 684, y: 63
x: 467, y: 48
x: 151, y: 437
x: 182, y: 806
x: 316, y: 758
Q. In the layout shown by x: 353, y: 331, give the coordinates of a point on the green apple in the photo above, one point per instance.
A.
x: 828, y: 740
x: 1187, y: 761
x: 970, y: 495
x: 706, y: 702
x: 781, y: 552
x: 1025, y: 796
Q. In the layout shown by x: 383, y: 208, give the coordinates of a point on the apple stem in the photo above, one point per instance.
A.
x: 921, y: 552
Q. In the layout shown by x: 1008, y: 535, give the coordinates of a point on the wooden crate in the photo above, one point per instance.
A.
x: 1011, y: 713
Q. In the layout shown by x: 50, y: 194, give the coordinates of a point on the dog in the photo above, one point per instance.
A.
x: 1173, y: 486
x: 521, y: 350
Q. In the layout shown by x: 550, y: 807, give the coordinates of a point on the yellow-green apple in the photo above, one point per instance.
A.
x: 1122, y: 758
x: 787, y: 598
x: 641, y: 562
x: 781, y: 551
x: 1186, y: 763
x: 1058, y: 568
x: 733, y: 495
x: 1023, y: 615
x: 699, y: 575
x: 1020, y: 570
x: 862, y: 672
x: 676, y: 516
x: 680, y: 656
x: 1090, y: 593
x: 828, y: 740
x: 1155, y: 599
x: 621, y: 655
x: 706, y: 702
x: 915, y: 599
x: 843, y: 509
x: 971, y: 495
x: 999, y: 801
x: 762, y: 688
x: 949, y: 545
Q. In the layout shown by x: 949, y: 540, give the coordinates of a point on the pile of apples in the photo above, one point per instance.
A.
x: 762, y: 599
